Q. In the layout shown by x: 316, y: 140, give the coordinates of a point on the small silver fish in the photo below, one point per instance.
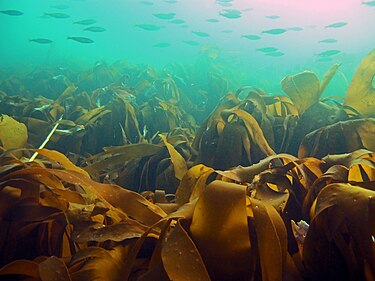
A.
x: 12, y: 12
x: 81, y: 39
x: 95, y: 29
x: 41, y: 40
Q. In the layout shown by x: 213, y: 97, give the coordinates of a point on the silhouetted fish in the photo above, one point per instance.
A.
x: 95, y: 29
x: 273, y: 17
x: 336, y: 25
x: 162, y: 45
x: 81, y: 39
x: 148, y: 3
x: 275, y: 54
x: 329, y: 40
x: 274, y: 31
x: 328, y: 53
x: 201, y: 34
x: 369, y: 3
x: 167, y: 16
x: 212, y: 20
x: 231, y: 13
x: 85, y: 22
x: 41, y: 40
x: 296, y: 28
x: 57, y: 15
x: 251, y: 37
x: 227, y: 31
x: 191, y: 43
x: 12, y: 12
x: 148, y: 27
x: 177, y: 21
x: 267, y: 49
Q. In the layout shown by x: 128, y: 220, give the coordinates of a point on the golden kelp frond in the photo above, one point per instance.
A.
x: 305, y: 88
x: 12, y: 133
x: 342, y: 227
x: 338, y: 138
x: 361, y: 92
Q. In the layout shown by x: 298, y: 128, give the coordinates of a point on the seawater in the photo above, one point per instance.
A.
x: 305, y: 23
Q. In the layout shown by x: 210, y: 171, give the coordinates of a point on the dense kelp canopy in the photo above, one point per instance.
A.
x: 126, y: 173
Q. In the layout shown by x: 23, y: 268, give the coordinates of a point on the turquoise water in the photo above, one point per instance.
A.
x: 194, y: 30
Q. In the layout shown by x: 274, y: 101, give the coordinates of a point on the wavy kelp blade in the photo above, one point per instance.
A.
x: 303, y: 88
x: 361, y: 92
x: 178, y: 161
x: 220, y: 231
x: 328, y: 77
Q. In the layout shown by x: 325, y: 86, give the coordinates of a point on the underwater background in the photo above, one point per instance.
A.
x: 303, y: 35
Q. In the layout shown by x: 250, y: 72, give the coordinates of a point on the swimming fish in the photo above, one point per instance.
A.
x: 167, y: 16
x: 85, y: 22
x: 296, y: 28
x: 212, y: 20
x: 369, y: 3
x: 230, y: 13
x: 273, y: 17
x: 275, y: 54
x: 60, y: 7
x: 201, y: 34
x: 336, y: 25
x: 267, y: 49
x: 81, y: 39
x: 12, y: 12
x: 177, y: 21
x: 329, y: 40
x: 57, y: 15
x: 275, y: 31
x: 95, y: 29
x: 41, y: 40
x: 227, y: 31
x: 148, y: 27
x: 251, y: 37
x: 224, y: 4
x: 328, y: 53
x: 148, y: 3
x: 191, y: 43
x: 162, y: 45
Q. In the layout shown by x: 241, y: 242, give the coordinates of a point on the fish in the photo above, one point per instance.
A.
x: 57, y: 15
x: 227, y: 31
x: 85, y: 22
x: 275, y: 31
x: 267, y: 49
x: 251, y: 37
x: 95, y: 29
x: 336, y: 25
x: 192, y: 43
x: 275, y: 54
x: 369, y: 3
x: 212, y: 20
x: 12, y: 12
x: 296, y: 28
x: 177, y: 21
x: 329, y: 53
x: 224, y: 4
x: 167, y: 16
x: 147, y: 3
x: 41, y: 40
x: 201, y: 34
x: 148, y: 27
x: 273, y: 17
x: 230, y: 13
x: 162, y: 45
x: 329, y: 40
x: 82, y: 39
x: 60, y: 7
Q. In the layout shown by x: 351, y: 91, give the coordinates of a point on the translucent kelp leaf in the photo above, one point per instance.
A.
x: 178, y: 161
x: 181, y: 258
x: 361, y: 92
x: 219, y: 230
x: 303, y: 88
x: 328, y: 77
x: 12, y: 133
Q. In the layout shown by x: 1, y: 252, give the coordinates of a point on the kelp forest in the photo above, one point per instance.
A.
x: 124, y: 172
